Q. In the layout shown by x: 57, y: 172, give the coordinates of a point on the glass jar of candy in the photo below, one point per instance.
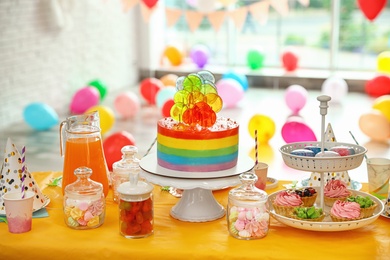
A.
x: 136, y: 213
x: 121, y: 169
x: 248, y: 211
x: 84, y: 202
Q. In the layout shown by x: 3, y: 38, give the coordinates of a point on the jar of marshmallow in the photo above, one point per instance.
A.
x: 248, y: 211
x: 84, y: 203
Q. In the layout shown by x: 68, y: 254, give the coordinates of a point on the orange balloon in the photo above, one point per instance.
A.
x: 174, y: 55
x: 375, y: 125
x: 169, y: 80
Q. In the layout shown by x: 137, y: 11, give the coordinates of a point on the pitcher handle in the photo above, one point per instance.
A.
x: 64, y: 123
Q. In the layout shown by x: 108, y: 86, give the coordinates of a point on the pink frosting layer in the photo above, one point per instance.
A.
x: 345, y: 209
x: 285, y: 198
x: 336, y: 189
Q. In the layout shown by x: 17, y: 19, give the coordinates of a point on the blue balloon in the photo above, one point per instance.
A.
x: 239, y: 77
x: 164, y: 94
x: 40, y: 116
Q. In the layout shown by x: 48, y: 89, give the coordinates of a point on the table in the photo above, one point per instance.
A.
x: 50, y: 238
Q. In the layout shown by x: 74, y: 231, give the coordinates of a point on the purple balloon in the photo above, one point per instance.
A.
x: 199, y: 55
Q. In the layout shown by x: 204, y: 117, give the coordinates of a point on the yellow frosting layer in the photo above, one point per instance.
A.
x: 198, y: 144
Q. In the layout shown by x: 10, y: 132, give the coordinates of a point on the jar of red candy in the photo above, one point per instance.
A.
x: 247, y: 211
x: 135, y: 207
x: 84, y: 202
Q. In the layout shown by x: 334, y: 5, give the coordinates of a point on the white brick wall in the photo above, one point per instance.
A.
x: 42, y: 61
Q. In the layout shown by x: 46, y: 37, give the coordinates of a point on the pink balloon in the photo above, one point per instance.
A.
x: 295, y: 131
x: 84, y: 99
x: 231, y: 91
x: 295, y: 97
x: 127, y: 104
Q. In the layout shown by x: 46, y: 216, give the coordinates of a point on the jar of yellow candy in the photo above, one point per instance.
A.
x: 84, y: 203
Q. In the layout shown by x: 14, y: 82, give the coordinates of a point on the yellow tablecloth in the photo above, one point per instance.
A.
x: 50, y: 238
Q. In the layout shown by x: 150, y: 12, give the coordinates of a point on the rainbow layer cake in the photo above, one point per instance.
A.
x: 193, y: 139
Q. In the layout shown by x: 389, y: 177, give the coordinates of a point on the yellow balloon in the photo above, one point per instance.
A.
x: 382, y: 104
x: 107, y: 117
x: 264, y: 125
x: 383, y: 62
x: 174, y: 55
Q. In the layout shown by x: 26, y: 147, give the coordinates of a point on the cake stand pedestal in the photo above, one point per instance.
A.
x: 197, y: 203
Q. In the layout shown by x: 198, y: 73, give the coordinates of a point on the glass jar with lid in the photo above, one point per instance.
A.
x: 84, y: 202
x: 248, y: 211
x: 121, y: 169
x: 136, y: 212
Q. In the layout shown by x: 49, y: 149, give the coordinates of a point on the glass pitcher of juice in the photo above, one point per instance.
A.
x: 80, y: 135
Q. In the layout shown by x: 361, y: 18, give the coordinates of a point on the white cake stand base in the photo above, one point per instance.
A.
x: 197, y: 203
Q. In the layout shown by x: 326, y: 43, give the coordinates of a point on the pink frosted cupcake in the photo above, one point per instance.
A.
x: 345, y: 211
x: 285, y: 202
x: 335, y: 190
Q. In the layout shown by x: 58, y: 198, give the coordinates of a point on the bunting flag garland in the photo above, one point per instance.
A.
x: 172, y: 16
x: 239, y: 16
x: 281, y: 6
x: 216, y: 19
x: 194, y: 18
x: 146, y: 12
x: 129, y: 4
x: 259, y: 11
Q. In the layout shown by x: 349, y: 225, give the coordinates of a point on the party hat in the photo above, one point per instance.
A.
x: 315, y: 178
x: 15, y: 175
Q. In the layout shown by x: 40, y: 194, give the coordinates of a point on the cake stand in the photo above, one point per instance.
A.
x: 197, y: 203
x: 322, y: 165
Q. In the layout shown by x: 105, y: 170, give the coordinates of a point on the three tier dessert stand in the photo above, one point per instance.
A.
x: 197, y: 203
x: 322, y: 165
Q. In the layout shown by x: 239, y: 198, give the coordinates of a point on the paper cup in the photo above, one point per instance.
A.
x: 19, y: 211
x: 378, y: 170
x: 261, y: 170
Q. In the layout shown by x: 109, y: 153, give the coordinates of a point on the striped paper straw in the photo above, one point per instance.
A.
x: 23, y: 171
x: 256, y: 148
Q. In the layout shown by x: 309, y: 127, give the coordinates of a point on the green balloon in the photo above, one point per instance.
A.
x: 255, y: 59
x: 100, y: 87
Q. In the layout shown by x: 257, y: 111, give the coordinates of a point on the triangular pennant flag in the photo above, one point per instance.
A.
x: 260, y: 11
x: 216, y: 19
x: 239, y: 16
x: 128, y: 4
x: 12, y: 175
x: 281, y: 6
x: 315, y: 178
x: 172, y: 15
x: 146, y: 12
x: 304, y: 2
x: 193, y: 19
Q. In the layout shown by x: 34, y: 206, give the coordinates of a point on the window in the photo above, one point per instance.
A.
x: 326, y: 34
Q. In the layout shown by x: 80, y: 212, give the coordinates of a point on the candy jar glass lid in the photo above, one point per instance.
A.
x: 84, y: 186
x: 247, y: 191
x: 134, y: 190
